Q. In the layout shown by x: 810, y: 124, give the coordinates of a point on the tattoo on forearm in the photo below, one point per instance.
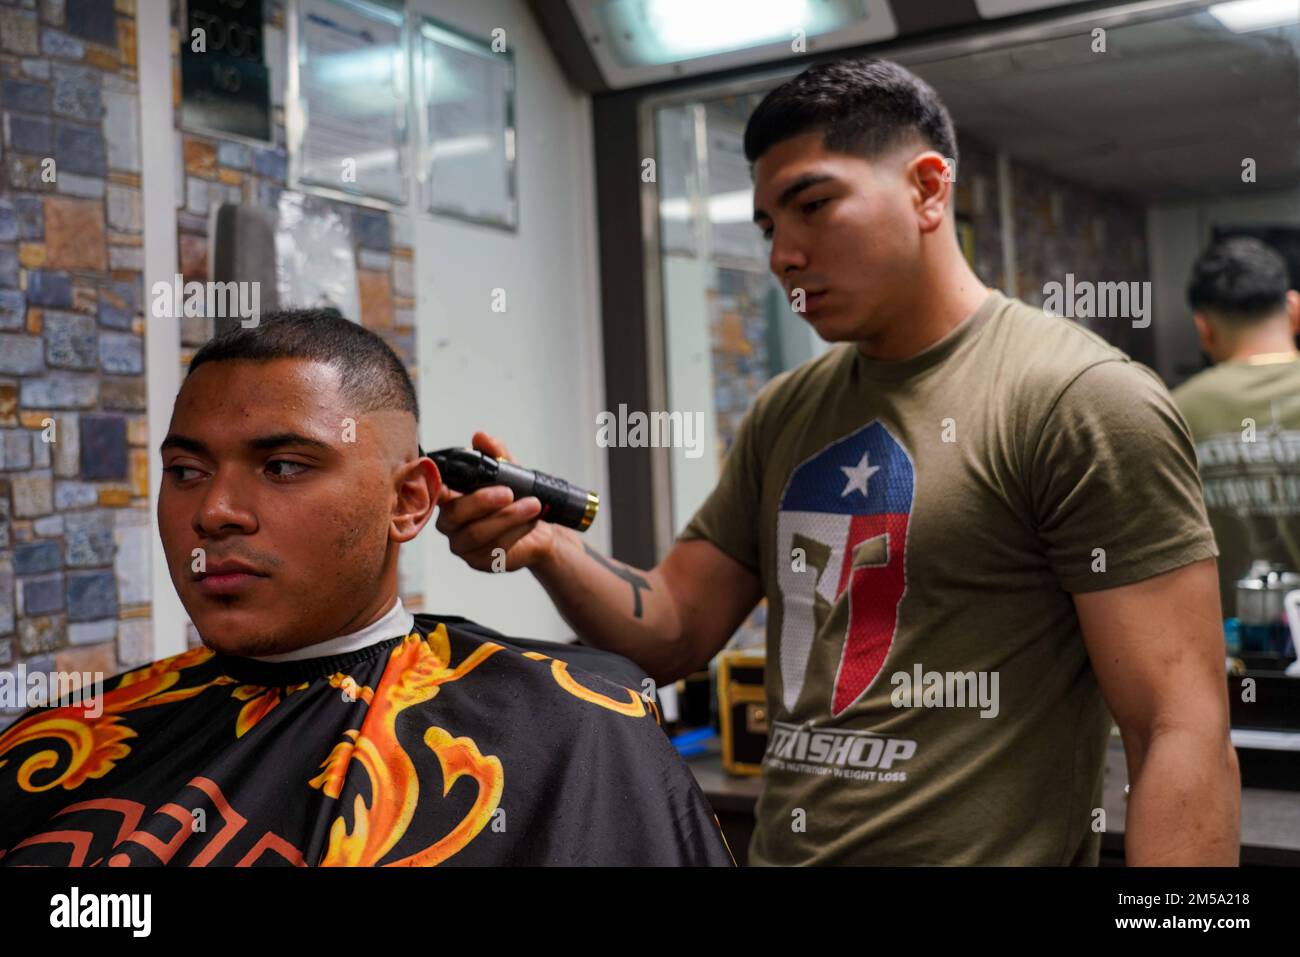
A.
x: 622, y: 571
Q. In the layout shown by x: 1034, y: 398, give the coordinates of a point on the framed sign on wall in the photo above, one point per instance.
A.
x: 465, y: 95
x: 225, y: 86
x: 348, y: 98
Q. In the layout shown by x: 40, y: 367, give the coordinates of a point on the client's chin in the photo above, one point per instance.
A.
x: 238, y: 631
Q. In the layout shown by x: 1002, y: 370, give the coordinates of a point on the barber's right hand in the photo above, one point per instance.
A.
x: 479, y: 523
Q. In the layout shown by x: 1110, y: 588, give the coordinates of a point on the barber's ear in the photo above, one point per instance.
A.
x: 417, y: 498
x: 1293, y: 310
x: 932, y: 177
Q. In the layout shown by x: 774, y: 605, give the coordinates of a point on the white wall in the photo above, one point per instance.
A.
x: 533, y: 375
x: 1176, y: 234
x: 159, y: 175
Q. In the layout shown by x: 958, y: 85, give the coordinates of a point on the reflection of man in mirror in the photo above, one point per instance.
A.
x: 321, y: 722
x: 1244, y: 412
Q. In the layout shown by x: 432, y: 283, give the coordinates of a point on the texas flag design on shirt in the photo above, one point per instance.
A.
x: 846, y: 509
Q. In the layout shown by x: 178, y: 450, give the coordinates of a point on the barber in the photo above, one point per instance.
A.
x: 968, y: 499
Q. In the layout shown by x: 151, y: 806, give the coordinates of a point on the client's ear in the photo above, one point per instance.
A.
x: 1204, y: 332
x: 418, y: 485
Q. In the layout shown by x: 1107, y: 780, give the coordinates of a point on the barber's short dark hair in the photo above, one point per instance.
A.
x: 371, y: 375
x: 1240, y: 279
x: 864, y: 107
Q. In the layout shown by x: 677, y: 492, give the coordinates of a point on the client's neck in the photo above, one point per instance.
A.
x: 396, y: 621
x: 1270, y: 339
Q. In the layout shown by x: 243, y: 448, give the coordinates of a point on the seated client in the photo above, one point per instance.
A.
x: 320, y: 722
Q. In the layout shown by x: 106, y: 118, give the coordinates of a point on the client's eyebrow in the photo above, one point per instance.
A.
x: 260, y: 443
x: 794, y: 189
x: 264, y: 442
x: 184, y: 443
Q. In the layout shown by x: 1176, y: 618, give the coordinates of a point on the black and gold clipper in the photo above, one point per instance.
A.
x: 467, y: 470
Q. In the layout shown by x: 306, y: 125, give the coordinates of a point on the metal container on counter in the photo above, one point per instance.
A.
x: 1260, y: 610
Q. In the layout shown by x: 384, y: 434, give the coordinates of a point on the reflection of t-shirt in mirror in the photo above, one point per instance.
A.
x: 934, y: 515
x: 1245, y: 420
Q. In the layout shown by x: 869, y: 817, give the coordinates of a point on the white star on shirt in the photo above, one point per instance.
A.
x: 858, y: 475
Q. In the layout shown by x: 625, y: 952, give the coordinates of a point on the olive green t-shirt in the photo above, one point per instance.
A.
x: 928, y: 519
x: 1245, y: 420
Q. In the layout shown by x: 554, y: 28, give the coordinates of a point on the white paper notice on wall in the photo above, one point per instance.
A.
x: 315, y: 266
x: 350, y: 111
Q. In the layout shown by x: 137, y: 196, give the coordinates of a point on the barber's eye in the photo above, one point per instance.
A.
x: 815, y: 205
x: 176, y: 471
x: 279, y: 463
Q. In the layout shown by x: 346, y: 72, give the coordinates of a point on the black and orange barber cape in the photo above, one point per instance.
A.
x: 450, y: 745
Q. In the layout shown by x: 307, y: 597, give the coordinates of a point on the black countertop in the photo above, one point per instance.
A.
x: 1270, y: 819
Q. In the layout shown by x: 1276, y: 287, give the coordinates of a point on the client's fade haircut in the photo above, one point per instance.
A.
x: 1238, y: 280
x: 370, y: 373
x: 864, y: 107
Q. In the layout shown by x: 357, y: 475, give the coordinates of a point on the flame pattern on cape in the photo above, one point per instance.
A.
x: 416, y: 671
x: 95, y: 745
x: 83, y: 748
x: 634, y: 707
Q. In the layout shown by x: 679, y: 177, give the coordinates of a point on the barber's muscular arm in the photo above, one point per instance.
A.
x: 1157, y: 650
x: 670, y: 620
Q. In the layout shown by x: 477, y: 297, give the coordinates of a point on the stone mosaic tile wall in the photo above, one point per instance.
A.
x: 1098, y: 237
x: 74, y: 524
x: 738, y: 339
x: 977, y: 198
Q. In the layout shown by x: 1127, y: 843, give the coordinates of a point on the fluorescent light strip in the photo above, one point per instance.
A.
x: 1245, y: 16
x: 689, y: 27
